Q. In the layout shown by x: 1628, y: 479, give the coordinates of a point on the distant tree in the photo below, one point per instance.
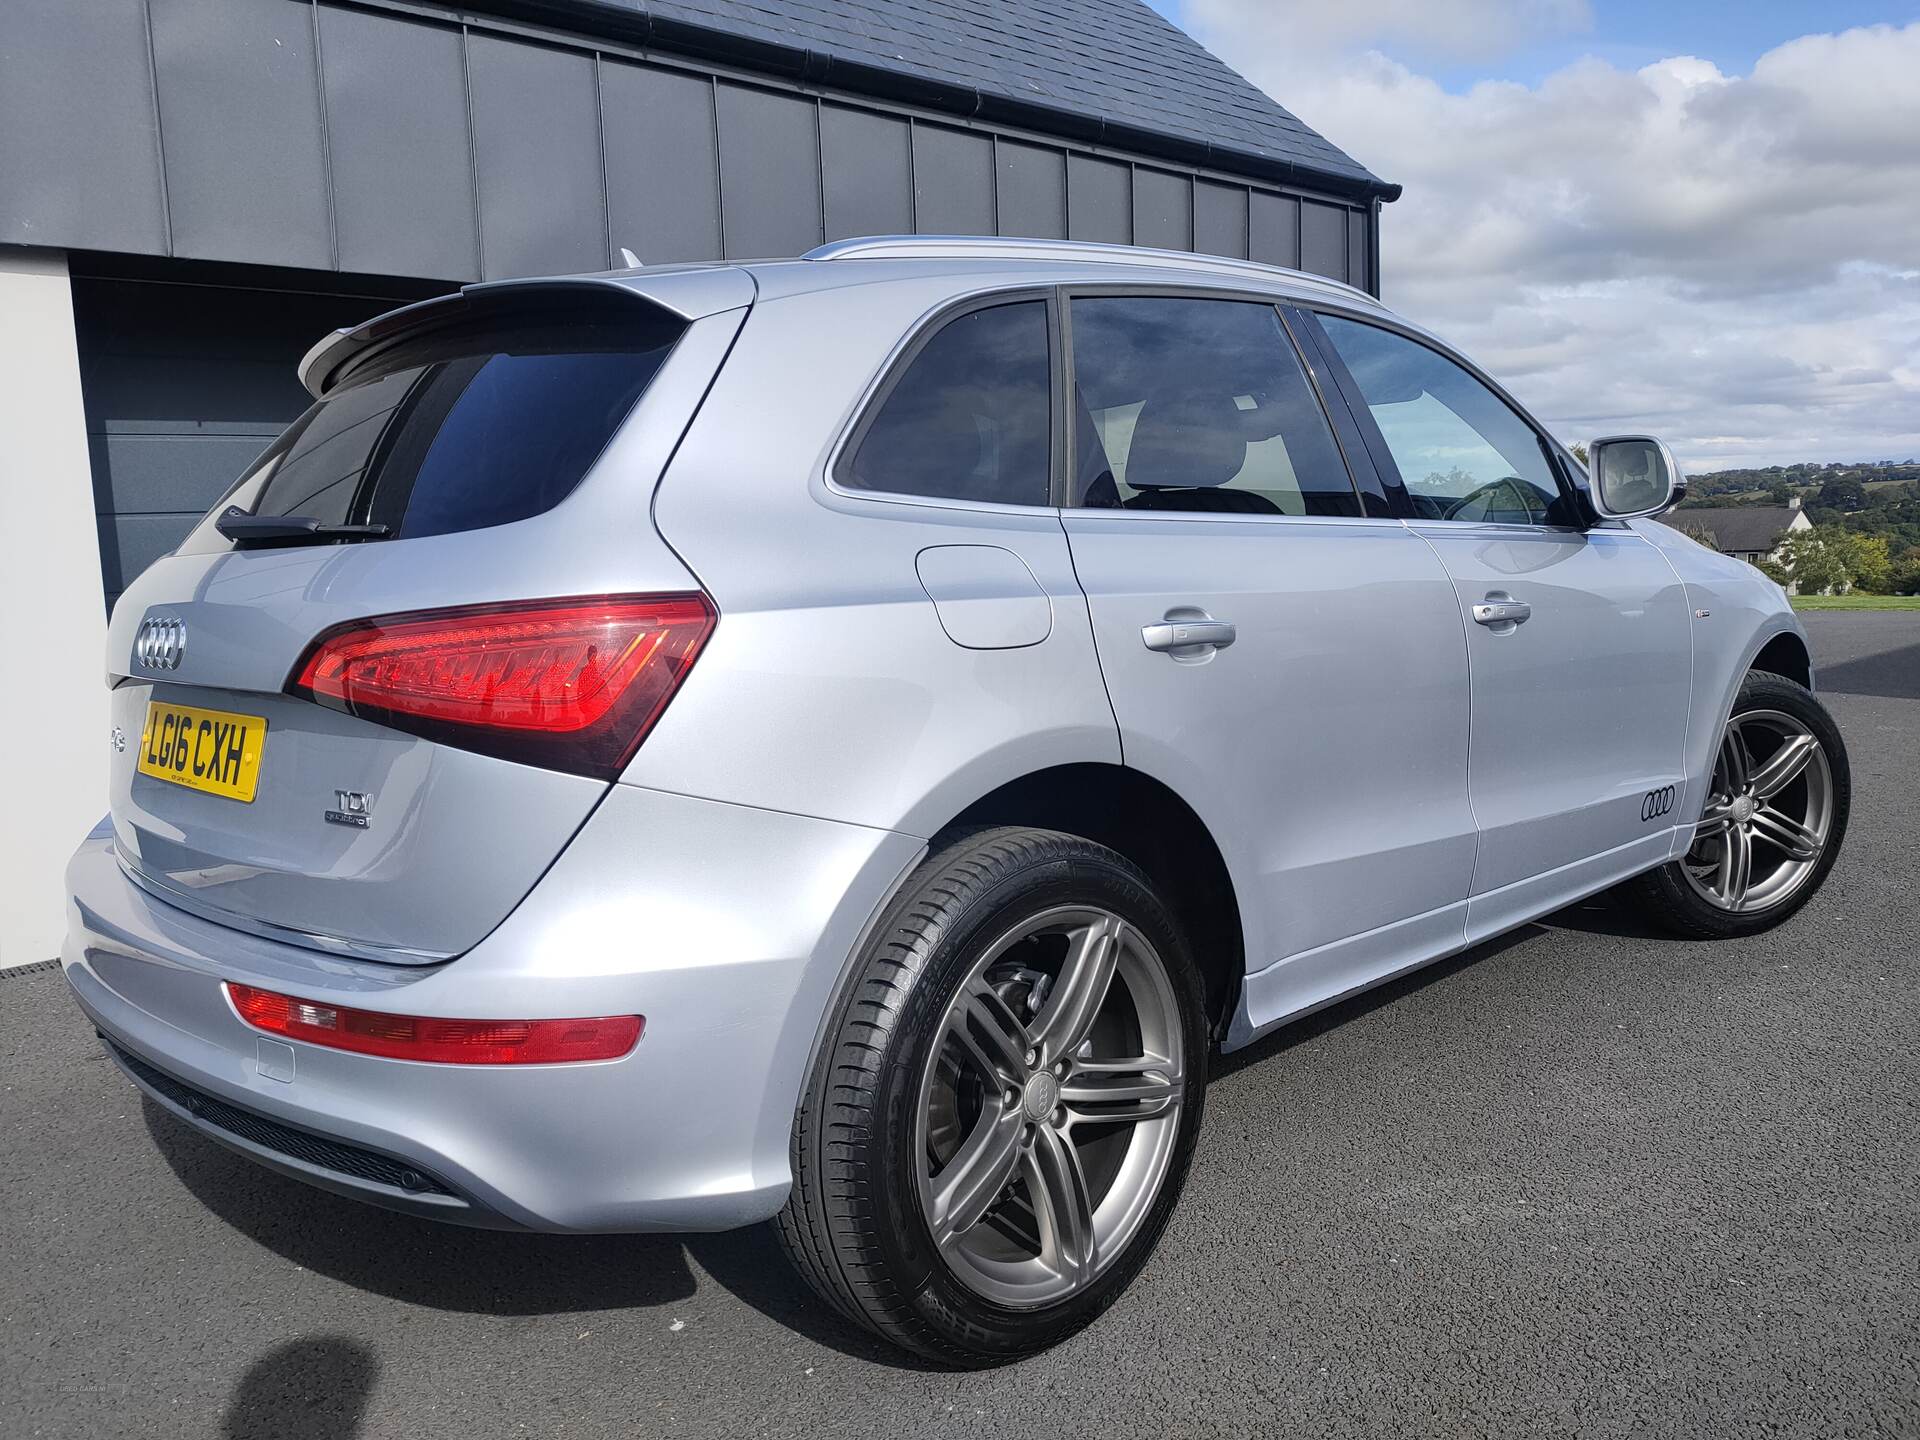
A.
x: 1903, y: 576
x: 1780, y: 493
x: 1869, y: 566
x: 1842, y: 493
x: 1580, y: 454
x: 1812, y: 562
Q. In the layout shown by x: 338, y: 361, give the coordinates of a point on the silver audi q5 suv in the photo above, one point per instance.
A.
x: 843, y: 741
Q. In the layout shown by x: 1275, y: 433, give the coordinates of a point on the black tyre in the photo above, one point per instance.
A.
x: 1005, y: 1101
x: 1775, y: 814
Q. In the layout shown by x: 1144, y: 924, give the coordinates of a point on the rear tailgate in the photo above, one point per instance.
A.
x: 510, y: 442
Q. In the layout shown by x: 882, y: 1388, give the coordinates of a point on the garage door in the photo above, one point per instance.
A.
x: 184, y: 386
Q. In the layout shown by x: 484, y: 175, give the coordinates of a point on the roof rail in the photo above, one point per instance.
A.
x: 988, y: 247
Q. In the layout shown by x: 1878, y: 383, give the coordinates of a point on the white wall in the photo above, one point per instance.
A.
x: 53, y: 697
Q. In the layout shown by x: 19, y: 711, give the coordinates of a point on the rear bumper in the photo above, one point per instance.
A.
x: 727, y: 927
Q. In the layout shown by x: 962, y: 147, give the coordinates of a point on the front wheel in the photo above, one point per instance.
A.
x: 1005, y: 1101
x: 1775, y: 815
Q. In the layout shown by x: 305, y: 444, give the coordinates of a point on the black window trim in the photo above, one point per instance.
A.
x: 1376, y: 442
x: 900, y: 360
x: 1280, y: 304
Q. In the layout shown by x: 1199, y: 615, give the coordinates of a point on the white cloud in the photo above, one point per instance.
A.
x: 1457, y: 30
x: 1730, y: 260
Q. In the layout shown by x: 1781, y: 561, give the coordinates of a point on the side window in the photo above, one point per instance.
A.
x: 971, y: 416
x: 1198, y: 405
x: 1462, y: 451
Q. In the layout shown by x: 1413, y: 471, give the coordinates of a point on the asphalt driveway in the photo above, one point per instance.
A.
x: 1581, y: 1180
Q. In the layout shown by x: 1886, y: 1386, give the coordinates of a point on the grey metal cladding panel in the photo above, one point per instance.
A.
x: 1032, y: 191
x: 130, y: 543
x: 1275, y: 229
x: 1099, y: 200
x: 1220, y: 219
x: 867, y: 165
x: 240, y: 121
x: 536, y: 146
x: 769, y: 173
x: 151, y: 474
x: 1323, y: 239
x: 1162, y: 209
x: 397, y: 133
x: 79, y: 156
x: 952, y: 181
x: 663, y: 178
x: 1357, y: 221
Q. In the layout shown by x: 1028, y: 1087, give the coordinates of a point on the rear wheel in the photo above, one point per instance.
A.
x: 1005, y: 1104
x: 1776, y: 812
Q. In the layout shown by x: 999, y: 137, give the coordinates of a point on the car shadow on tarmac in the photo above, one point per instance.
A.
x: 494, y: 1272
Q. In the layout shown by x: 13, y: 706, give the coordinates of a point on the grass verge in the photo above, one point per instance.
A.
x: 1856, y: 602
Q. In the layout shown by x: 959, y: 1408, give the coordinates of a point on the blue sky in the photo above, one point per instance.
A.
x: 1631, y: 33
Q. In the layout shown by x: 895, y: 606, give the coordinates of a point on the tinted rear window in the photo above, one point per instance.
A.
x: 461, y: 429
x: 970, y: 416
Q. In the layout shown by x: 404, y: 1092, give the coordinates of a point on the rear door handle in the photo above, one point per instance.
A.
x: 1501, y: 612
x: 1180, y: 634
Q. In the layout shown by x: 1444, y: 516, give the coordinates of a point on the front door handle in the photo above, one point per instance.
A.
x: 1181, y: 634
x: 1501, y: 610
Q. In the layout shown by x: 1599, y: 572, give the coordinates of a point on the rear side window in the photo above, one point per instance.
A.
x: 970, y: 418
x: 1198, y: 406
x: 460, y: 429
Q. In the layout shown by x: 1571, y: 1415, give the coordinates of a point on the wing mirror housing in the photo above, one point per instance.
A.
x: 1630, y: 476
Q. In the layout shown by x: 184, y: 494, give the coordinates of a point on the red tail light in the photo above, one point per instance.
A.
x: 568, y: 684
x: 450, y: 1042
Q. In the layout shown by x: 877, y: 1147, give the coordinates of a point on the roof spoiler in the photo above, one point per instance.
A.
x: 691, y: 292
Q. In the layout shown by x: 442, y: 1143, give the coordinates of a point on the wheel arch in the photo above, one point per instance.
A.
x: 1786, y: 654
x: 1148, y: 822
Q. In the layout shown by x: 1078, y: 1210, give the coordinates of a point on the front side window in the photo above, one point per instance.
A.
x: 1463, y: 452
x: 970, y: 418
x: 1198, y: 406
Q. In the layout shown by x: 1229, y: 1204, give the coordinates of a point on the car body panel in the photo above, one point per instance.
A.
x: 732, y: 965
x: 845, y: 659
x: 1580, y: 711
x: 1327, y: 745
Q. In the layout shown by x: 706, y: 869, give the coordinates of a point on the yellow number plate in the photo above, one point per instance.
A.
x: 210, y: 750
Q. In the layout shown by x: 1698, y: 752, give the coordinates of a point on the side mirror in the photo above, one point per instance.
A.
x: 1632, y: 475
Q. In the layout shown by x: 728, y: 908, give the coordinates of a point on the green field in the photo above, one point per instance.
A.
x: 1856, y: 602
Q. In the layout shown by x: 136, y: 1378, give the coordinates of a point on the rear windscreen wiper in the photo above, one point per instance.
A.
x: 242, y: 528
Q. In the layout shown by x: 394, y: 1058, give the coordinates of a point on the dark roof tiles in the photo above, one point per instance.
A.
x: 1091, y: 63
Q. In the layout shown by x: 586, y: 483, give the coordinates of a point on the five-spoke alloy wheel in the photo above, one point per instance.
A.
x: 1005, y: 1102
x: 1048, y: 1112
x: 1772, y: 822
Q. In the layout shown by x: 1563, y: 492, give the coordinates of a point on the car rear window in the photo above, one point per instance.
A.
x: 460, y: 429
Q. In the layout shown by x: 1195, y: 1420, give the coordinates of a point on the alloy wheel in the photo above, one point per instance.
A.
x: 1049, y: 1109
x: 1769, y: 816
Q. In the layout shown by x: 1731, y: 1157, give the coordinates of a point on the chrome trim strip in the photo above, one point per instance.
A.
x: 266, y: 930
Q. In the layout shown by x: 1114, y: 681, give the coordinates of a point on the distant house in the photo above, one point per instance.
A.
x: 1747, y: 532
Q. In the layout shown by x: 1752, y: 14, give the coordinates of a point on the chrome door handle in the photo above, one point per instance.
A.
x: 1501, y: 612
x: 1179, y: 634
